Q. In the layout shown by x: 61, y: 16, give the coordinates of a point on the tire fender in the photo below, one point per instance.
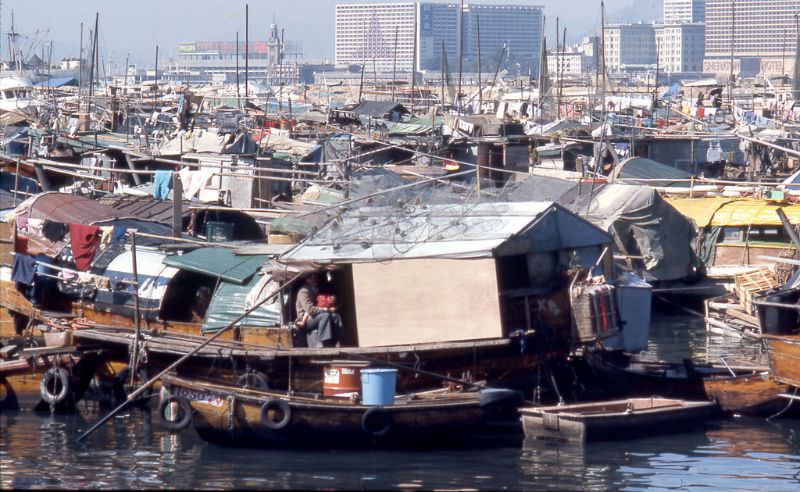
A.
x: 253, y: 380
x: 276, y: 404
x: 184, y: 413
x: 55, y: 385
x: 377, y: 421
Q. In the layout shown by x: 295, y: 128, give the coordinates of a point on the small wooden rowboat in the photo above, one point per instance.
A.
x: 747, y: 390
x: 613, y: 419
x: 238, y: 416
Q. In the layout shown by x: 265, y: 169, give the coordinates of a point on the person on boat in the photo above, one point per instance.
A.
x: 319, y: 320
x: 202, y: 298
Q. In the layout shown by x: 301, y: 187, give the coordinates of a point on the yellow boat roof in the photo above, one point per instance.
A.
x: 732, y: 212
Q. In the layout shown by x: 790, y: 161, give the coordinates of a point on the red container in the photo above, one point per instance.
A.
x: 341, y: 378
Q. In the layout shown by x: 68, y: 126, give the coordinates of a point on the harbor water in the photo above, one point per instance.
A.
x: 134, y: 451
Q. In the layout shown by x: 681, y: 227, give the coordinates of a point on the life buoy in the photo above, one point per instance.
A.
x: 122, y: 382
x: 175, y: 417
x: 376, y: 421
x: 55, y: 386
x: 253, y: 380
x: 272, y: 406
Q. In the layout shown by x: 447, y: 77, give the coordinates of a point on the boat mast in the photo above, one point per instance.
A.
x: 394, y: 61
x: 730, y: 75
x: 460, y: 52
x: 246, y: 50
x: 238, y: 95
x: 480, y: 86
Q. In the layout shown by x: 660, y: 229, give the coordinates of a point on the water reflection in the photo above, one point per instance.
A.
x: 133, y: 451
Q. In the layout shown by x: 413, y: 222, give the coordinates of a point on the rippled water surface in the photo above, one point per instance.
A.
x: 133, y: 451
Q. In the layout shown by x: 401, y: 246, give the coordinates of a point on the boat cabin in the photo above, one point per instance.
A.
x: 417, y: 274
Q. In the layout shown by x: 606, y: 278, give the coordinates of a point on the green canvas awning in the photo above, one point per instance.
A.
x: 218, y: 262
x: 229, y: 302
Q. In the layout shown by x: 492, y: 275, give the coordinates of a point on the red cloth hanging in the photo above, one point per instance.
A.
x: 84, y: 240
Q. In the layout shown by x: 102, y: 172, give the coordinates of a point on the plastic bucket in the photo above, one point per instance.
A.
x: 378, y: 386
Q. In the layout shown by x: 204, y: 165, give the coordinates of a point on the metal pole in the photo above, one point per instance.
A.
x: 155, y: 75
x: 394, y: 62
x: 414, y: 65
x: 80, y: 67
x: 135, y: 351
x: 238, y: 96
x: 246, y: 51
x: 135, y: 394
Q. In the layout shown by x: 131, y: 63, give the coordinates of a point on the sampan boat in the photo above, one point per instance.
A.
x: 237, y: 416
x: 613, y: 419
x: 746, y: 390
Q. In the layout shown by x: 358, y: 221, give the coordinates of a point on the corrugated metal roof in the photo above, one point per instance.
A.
x: 68, y: 208
x: 735, y: 212
x: 446, y: 231
x: 144, y: 207
x: 755, y: 212
x: 637, y: 168
x: 218, y: 262
x: 700, y: 210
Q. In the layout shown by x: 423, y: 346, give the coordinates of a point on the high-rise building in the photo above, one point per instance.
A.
x: 366, y: 34
x: 762, y: 33
x: 680, y: 47
x: 376, y: 34
x: 630, y: 47
x: 677, y: 11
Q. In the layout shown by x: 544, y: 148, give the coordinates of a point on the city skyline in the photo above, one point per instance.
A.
x: 168, y: 24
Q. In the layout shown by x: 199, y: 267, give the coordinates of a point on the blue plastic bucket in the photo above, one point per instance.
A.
x: 378, y: 386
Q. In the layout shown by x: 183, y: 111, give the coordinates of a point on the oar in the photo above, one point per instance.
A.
x: 412, y: 369
x: 178, y: 362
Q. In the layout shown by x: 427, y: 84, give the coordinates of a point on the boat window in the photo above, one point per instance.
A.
x: 732, y: 235
x: 9, y: 94
x: 181, y: 296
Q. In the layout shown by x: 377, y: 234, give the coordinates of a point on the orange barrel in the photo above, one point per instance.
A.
x: 342, y: 378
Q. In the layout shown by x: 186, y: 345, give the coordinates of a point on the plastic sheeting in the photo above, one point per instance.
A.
x: 229, y: 303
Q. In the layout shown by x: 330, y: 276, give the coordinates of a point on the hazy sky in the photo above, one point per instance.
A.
x: 137, y: 26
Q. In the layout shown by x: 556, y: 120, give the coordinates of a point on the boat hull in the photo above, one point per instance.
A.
x: 784, y: 356
x: 235, y: 416
x: 614, y: 419
x: 752, y: 392
x: 20, y: 381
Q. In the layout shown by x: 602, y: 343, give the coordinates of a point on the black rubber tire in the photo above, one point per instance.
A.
x: 376, y: 421
x: 253, y: 380
x: 123, y: 378
x: 55, y: 385
x: 283, y: 407
x: 184, y: 409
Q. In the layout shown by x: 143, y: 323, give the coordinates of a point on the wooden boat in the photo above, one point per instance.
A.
x: 613, y: 419
x: 748, y: 390
x: 234, y: 415
x: 784, y: 356
x: 46, y: 377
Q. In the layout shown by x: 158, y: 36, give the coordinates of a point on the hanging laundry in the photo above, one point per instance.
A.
x: 161, y: 185
x: 83, y: 240
x: 54, y: 231
x: 186, y: 176
x: 23, y: 270
x: 22, y: 222
x: 199, y: 181
x: 106, y: 234
x: 119, y: 233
